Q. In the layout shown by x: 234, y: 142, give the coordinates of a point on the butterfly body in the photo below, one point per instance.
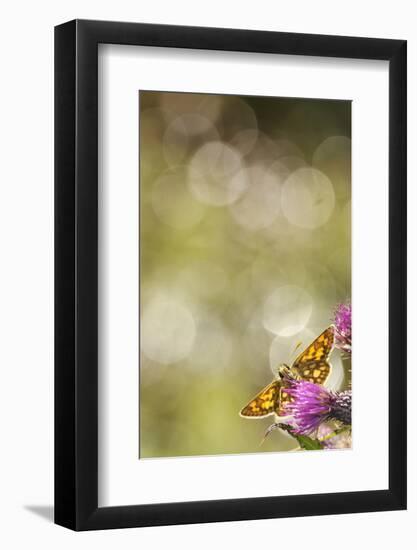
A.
x: 311, y: 365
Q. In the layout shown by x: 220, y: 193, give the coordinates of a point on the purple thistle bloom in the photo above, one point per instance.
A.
x: 343, y: 325
x: 313, y: 404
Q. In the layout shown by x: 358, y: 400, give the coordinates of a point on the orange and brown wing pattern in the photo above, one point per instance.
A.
x: 265, y: 403
x: 312, y: 364
x: 318, y: 350
x: 315, y: 371
x: 284, y: 398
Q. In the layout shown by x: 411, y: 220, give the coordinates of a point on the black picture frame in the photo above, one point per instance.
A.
x: 76, y: 272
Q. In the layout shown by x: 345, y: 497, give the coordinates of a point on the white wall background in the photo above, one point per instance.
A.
x: 26, y: 271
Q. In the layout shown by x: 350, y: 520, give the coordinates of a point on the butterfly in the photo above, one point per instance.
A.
x: 311, y: 365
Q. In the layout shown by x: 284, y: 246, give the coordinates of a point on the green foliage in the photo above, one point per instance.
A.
x: 305, y: 442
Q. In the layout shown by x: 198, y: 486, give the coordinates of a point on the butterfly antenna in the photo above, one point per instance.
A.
x: 297, y: 346
x: 270, y: 429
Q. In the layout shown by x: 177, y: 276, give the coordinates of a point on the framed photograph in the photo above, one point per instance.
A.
x: 230, y: 246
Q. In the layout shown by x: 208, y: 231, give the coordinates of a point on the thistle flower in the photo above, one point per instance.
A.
x: 313, y: 404
x: 343, y: 324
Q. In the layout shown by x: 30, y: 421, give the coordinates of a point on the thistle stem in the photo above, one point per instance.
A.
x: 336, y: 432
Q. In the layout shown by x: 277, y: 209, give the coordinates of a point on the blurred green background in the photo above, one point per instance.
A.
x: 244, y: 253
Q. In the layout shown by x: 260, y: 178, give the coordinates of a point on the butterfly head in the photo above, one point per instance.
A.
x: 283, y: 371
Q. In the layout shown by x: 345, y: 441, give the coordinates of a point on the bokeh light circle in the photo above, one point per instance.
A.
x: 183, y: 133
x: 172, y: 201
x: 307, y: 198
x: 333, y: 157
x: 259, y: 205
x: 245, y: 140
x: 287, y: 310
x: 334, y: 154
x: 211, y: 174
x: 168, y: 330
x: 208, y: 106
x: 237, y: 116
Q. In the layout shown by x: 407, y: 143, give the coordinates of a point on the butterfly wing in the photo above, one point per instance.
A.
x: 312, y: 364
x: 265, y: 403
x: 315, y: 371
x: 284, y: 398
